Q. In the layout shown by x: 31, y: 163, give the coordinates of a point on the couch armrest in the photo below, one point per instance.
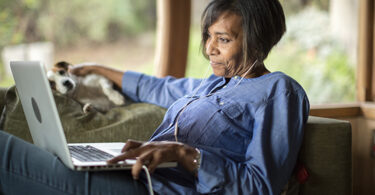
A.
x: 327, y: 154
x: 2, y: 97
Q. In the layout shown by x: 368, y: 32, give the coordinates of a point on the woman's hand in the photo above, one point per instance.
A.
x: 152, y: 154
x: 84, y: 69
x: 92, y: 68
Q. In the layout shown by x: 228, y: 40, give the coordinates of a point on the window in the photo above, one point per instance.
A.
x: 319, y: 49
x: 117, y: 33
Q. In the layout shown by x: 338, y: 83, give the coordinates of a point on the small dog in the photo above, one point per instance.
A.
x: 92, y: 91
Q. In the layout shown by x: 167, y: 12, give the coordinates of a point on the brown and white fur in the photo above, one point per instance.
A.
x: 92, y: 90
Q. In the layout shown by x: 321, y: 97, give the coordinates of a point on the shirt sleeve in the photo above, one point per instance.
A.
x: 160, y: 91
x: 270, y: 156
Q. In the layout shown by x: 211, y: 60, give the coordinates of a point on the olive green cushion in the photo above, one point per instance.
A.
x: 326, y: 154
x: 134, y: 121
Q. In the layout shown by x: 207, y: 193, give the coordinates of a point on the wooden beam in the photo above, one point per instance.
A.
x: 336, y: 110
x: 172, y: 37
x: 365, y: 49
x: 368, y: 110
x: 372, y: 63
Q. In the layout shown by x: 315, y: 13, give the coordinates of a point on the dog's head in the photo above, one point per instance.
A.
x: 60, y: 79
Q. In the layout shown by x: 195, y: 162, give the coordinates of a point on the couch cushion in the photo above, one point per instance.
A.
x: 326, y: 153
x: 134, y: 121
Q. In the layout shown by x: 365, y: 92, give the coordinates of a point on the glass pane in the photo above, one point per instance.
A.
x: 117, y: 33
x: 197, y: 65
x: 318, y: 50
x: 320, y: 47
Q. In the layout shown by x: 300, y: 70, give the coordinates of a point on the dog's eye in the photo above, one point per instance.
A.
x: 61, y: 72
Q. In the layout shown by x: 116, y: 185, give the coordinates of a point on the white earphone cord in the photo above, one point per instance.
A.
x: 151, y: 191
x: 247, y: 72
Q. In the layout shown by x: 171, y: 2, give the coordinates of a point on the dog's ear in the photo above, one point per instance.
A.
x: 64, y: 65
x: 52, y: 84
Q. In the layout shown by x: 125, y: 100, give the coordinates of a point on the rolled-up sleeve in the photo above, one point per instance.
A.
x: 160, y: 91
x: 130, y: 82
x: 270, y: 156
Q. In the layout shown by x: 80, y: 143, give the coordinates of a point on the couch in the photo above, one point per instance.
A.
x: 325, y: 156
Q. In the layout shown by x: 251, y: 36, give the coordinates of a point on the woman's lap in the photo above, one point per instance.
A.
x: 27, y: 169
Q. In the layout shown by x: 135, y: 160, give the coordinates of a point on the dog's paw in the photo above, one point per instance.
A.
x: 117, y: 98
x: 114, y: 96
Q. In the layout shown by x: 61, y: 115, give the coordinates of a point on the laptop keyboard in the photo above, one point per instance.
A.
x: 89, y: 154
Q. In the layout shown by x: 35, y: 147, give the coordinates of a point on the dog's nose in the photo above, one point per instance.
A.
x: 68, y: 84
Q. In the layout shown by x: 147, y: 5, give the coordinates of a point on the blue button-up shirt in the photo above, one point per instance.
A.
x: 249, y: 133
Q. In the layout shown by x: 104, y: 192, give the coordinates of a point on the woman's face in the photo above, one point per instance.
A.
x: 224, y: 45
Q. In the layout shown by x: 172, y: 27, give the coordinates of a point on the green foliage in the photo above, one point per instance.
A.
x: 197, y: 64
x: 341, y: 74
x: 312, y: 56
x: 6, y: 82
x: 69, y: 22
x: 326, y: 80
x: 292, y: 6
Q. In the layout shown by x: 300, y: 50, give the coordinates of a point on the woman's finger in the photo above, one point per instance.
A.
x: 131, y: 144
x: 131, y: 150
x: 126, y: 155
x: 157, y: 158
x: 81, y: 69
x: 144, y: 159
x: 77, y: 71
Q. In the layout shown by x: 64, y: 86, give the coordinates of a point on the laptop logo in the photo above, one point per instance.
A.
x: 36, y: 110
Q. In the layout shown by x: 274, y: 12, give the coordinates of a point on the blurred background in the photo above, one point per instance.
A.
x: 318, y: 50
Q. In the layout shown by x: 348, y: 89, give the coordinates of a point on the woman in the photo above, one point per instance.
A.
x: 237, y: 132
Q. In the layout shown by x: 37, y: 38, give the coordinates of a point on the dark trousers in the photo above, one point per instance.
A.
x: 27, y: 169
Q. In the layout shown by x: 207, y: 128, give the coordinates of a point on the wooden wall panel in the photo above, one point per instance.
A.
x: 336, y: 110
x: 363, y: 161
x: 172, y: 37
x: 371, y: 65
x: 365, y: 49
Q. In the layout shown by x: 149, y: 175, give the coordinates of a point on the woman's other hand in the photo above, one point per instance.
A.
x: 84, y: 68
x: 93, y: 68
x: 152, y: 154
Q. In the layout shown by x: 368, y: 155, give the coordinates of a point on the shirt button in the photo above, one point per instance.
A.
x: 236, y: 77
x: 221, y: 103
x: 224, y: 86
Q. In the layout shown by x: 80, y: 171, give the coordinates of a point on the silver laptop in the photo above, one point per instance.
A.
x: 45, y: 125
